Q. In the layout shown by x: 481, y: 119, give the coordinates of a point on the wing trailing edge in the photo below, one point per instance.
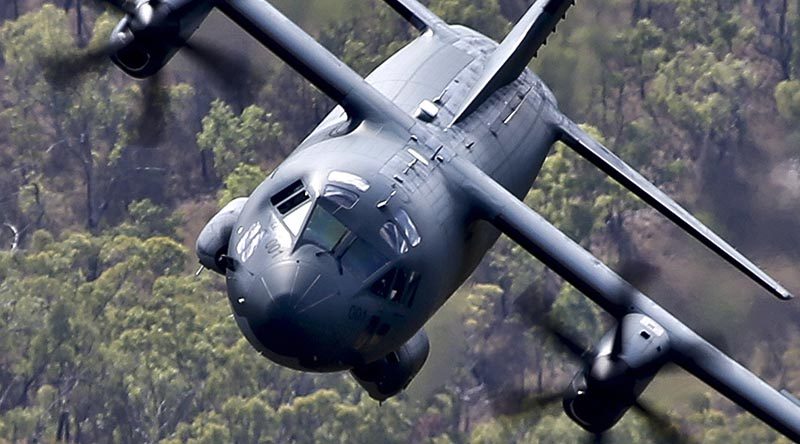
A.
x: 515, y: 52
x: 578, y: 140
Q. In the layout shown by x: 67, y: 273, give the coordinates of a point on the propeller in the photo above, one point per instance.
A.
x: 659, y: 422
x: 226, y: 69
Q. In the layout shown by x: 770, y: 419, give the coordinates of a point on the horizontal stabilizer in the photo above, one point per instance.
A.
x: 421, y: 17
x: 608, y: 162
x: 515, y: 52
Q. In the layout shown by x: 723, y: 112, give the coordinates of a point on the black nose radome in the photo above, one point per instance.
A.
x: 291, y: 309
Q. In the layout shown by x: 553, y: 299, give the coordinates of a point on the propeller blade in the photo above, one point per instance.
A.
x: 518, y: 401
x: 596, y: 438
x: 61, y: 70
x: 567, y: 342
x: 662, y: 424
x: 230, y: 72
x: 155, y: 110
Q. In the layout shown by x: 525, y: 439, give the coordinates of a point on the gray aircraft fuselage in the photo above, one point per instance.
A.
x: 306, y: 309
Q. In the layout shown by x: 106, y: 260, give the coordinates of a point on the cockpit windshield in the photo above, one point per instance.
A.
x: 323, y: 229
x: 354, y: 254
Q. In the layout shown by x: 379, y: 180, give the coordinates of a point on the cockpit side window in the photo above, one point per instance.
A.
x: 290, y: 197
x: 390, y: 233
x: 409, y: 229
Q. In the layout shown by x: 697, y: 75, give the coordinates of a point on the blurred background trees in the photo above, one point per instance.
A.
x: 108, y: 337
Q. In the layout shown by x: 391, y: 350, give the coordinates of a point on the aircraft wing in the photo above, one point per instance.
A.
x: 574, y: 137
x: 305, y: 55
x: 597, y: 281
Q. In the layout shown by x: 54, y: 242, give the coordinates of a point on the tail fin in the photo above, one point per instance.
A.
x: 515, y: 52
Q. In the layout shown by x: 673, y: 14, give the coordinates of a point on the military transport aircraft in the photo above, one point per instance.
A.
x: 336, y: 261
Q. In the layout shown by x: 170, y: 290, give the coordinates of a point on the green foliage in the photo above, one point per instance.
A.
x: 235, y: 140
x: 148, y: 219
x: 482, y: 15
x: 241, y: 182
x: 572, y: 195
x: 787, y: 96
x: 698, y: 90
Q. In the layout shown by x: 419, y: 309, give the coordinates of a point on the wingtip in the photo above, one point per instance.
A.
x: 781, y: 293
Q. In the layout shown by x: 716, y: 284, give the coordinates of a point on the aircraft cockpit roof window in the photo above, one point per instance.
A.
x: 341, y: 177
x: 293, y: 203
x: 344, y: 198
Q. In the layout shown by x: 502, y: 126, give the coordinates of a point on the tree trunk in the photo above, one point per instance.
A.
x: 637, y: 12
x: 785, y: 39
x: 79, y: 23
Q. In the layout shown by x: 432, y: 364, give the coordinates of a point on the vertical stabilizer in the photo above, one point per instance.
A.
x: 515, y: 52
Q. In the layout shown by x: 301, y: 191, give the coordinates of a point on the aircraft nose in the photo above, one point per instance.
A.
x: 290, y: 308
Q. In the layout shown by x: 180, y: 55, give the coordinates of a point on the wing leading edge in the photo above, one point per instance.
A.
x: 598, y: 282
x: 575, y: 138
x: 299, y: 50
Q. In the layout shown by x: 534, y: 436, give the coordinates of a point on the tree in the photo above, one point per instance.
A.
x: 236, y: 140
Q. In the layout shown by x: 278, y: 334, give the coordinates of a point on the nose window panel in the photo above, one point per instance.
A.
x: 396, y: 285
x: 323, y: 229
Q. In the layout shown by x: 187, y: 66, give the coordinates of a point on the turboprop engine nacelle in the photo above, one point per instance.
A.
x: 391, y: 374
x: 627, y: 359
x: 212, y: 243
x: 153, y: 31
